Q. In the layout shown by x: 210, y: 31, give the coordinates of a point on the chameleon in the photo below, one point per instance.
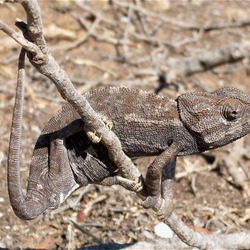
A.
x: 64, y: 158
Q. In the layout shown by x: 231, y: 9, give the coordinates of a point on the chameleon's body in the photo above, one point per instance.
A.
x: 138, y: 118
x: 146, y: 124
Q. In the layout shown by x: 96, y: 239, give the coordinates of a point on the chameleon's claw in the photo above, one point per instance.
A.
x: 93, y: 135
x: 107, y: 123
x: 138, y: 185
x: 131, y: 185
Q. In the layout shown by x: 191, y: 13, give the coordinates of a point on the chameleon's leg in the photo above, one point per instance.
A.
x: 167, y: 191
x: 58, y: 157
x: 61, y: 182
x: 93, y: 136
x: 159, y: 182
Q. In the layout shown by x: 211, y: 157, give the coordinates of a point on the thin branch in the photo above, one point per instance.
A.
x: 29, y: 46
x: 154, y: 40
x: 87, y: 232
x: 180, y: 68
x: 180, y: 24
x: 35, y: 24
x: 232, y: 241
x: 81, y: 40
x: 154, y: 15
x: 95, y: 13
x: 91, y: 32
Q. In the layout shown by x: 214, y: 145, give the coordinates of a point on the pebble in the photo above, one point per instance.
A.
x: 163, y: 230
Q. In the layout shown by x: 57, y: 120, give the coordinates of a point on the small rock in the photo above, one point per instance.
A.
x: 148, y: 235
x: 163, y: 230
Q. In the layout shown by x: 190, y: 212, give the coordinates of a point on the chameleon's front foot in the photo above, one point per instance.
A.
x: 93, y: 136
x: 131, y: 185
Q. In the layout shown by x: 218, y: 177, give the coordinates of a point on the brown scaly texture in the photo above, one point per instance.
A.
x: 146, y: 124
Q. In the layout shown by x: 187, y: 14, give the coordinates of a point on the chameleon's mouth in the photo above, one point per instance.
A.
x: 232, y: 132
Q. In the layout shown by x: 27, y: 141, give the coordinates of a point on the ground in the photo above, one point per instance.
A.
x: 126, y: 46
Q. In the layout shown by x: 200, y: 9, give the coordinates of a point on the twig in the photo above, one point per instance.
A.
x: 90, y: 63
x: 141, y: 20
x: 194, y: 170
x: 85, y: 231
x: 90, y: 204
x: 183, y: 25
x: 73, y: 204
x: 238, y: 175
x: 193, y: 184
x: 98, y: 37
x: 154, y: 15
x: 30, y: 47
x: 223, y: 25
x: 153, y: 40
x: 95, y: 13
x: 91, y: 32
x: 179, y: 68
x: 81, y: 40
x: 126, y: 32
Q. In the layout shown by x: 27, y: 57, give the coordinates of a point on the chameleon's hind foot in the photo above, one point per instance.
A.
x: 162, y: 207
x: 152, y: 202
x: 93, y: 135
x: 165, y: 210
x: 162, y: 201
x: 167, y: 205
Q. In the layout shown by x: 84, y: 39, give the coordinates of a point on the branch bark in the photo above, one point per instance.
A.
x: 232, y: 241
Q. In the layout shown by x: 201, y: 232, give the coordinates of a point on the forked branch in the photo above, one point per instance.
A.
x: 46, y: 65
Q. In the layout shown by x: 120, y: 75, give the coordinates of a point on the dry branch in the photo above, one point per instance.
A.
x: 176, y: 24
x: 231, y: 242
x: 180, y: 68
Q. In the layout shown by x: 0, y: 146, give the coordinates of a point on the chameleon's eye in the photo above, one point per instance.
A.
x: 230, y: 115
x: 232, y: 109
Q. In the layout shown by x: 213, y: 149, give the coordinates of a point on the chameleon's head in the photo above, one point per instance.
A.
x: 216, y: 118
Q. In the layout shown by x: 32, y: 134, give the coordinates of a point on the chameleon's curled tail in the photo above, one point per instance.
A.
x: 22, y: 206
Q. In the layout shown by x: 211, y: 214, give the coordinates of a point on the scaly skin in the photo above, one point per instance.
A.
x: 146, y: 124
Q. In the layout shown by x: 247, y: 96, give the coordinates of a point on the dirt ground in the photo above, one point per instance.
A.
x: 126, y: 46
